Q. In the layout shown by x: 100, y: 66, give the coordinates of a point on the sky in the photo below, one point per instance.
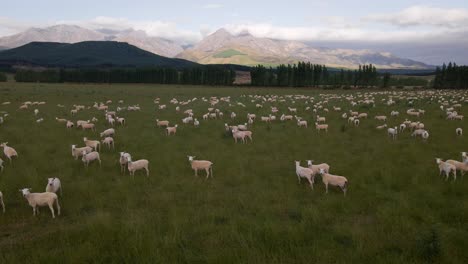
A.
x: 414, y: 28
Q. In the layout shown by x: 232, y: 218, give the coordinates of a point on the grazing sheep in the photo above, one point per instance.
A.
x: 70, y: 124
x: 393, y: 132
x: 88, y: 126
x: 459, y: 131
x: 316, y: 168
x: 321, y: 119
x: 108, y: 132
x: 124, y: 160
x: 1, y: 202
x: 53, y: 185
x: 402, y: 127
x: 137, y: 165
x: 201, y: 165
x: 334, y: 180
x: 8, y: 151
x: 74, y: 112
x: 89, y: 157
x: 446, y: 168
x: 460, y: 166
x: 321, y: 127
x: 171, y: 130
x: 233, y: 115
x: 381, y: 118
x: 381, y: 127
x: 306, y: 173
x: 36, y: 200
x: 61, y: 120
x: 95, y: 144
x: 237, y: 134
x: 80, y: 123
x: 394, y: 113
x: 163, y: 123
x: 109, y: 142
x: 121, y: 121
x: 302, y: 123
x: 77, y: 152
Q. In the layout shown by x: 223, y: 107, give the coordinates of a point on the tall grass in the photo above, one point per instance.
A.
x: 398, y: 210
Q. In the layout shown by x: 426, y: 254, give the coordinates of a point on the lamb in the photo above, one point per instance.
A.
x: 302, y: 123
x: 459, y: 131
x: 121, y: 121
x: 402, y: 127
x: 381, y: 127
x: 88, y: 126
x: 286, y: 117
x: 70, y: 124
x: 362, y: 115
x: 89, y: 157
x: 393, y: 132
x: 320, y: 119
x: 124, y: 160
x: 461, y: 166
x: 108, y: 132
x: 8, y: 151
x: 95, y: 144
x: 163, y: 123
x: 171, y: 130
x: 61, y: 120
x: 265, y: 119
x: 425, y: 135
x: 36, y: 112
x: 53, y: 185
x: 446, y: 168
x: 306, y: 173
x: 201, y: 165
x: 321, y: 127
x: 80, y: 123
x: 381, y: 118
x: 418, y: 132
x: 137, y: 165
x: 394, y: 113
x: 196, y: 122
x: 77, y: 152
x: 36, y: 200
x: 236, y: 134
x: 316, y: 168
x: 108, y: 141
x: 334, y: 180
x: 1, y: 201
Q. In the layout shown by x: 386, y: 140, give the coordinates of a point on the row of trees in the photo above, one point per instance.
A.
x: 208, y: 75
x: 3, y: 77
x: 451, y: 76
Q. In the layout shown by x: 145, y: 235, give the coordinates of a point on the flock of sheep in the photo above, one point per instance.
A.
x: 316, y: 108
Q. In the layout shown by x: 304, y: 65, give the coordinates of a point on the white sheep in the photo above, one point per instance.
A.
x: 61, y: 120
x: 316, y: 168
x: 109, y: 142
x: 95, y: 144
x: 133, y: 166
x: 36, y: 200
x: 237, y: 134
x: 459, y: 131
x: 201, y: 165
x: 306, y: 173
x: 8, y: 151
x: 425, y: 135
x: 393, y: 132
x: 1, y: 202
x: 334, y: 180
x: 161, y: 123
x: 356, y: 122
x: 196, y: 122
x: 53, y: 185
x: 171, y: 130
x: 446, y: 168
x: 460, y: 166
x: 381, y: 127
x: 89, y: 157
x: 77, y: 152
x: 124, y: 160
x: 321, y: 127
x: 88, y: 125
x: 302, y: 123
x: 70, y: 124
x: 108, y: 132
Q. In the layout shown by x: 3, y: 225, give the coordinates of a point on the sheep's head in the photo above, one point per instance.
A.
x: 50, y: 181
x: 309, y: 162
x: 73, y: 146
x: 190, y: 158
x: 25, y: 191
x: 297, y: 162
x: 322, y: 171
x: 438, y: 160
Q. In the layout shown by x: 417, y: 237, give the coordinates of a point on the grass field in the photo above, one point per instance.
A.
x: 398, y: 210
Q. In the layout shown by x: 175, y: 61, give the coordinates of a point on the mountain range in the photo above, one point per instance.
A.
x: 221, y: 47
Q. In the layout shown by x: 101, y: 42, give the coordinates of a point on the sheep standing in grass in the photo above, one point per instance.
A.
x: 460, y: 166
x: 161, y: 123
x: 303, y: 172
x: 334, y: 180
x: 321, y: 127
x: 381, y: 127
x: 425, y: 135
x: 124, y: 157
x: 316, y: 168
x: 90, y: 126
x: 302, y: 123
x: 89, y: 157
x: 196, y: 123
x: 1, y: 202
x: 201, y: 165
x: 61, y: 120
x: 109, y: 142
x: 459, y: 131
x: 393, y: 132
x: 36, y: 200
x: 446, y: 168
x: 53, y: 185
x: 77, y: 152
x: 133, y: 166
x: 171, y: 130
x: 108, y: 132
x: 121, y: 121
x: 95, y: 144
x: 8, y: 151
x: 70, y: 124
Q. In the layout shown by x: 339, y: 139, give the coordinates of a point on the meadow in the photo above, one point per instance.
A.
x: 397, y: 210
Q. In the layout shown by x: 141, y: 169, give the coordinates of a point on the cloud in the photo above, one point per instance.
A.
x: 424, y: 16
x: 10, y: 26
x: 212, y: 6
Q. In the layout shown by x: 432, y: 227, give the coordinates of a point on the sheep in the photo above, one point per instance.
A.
x: 36, y: 112
x: 121, y: 121
x: 344, y: 116
x: 80, y: 123
x: 77, y: 152
x: 418, y: 132
x: 61, y: 120
x: 108, y: 132
x: 316, y: 168
x: 446, y: 168
x: 402, y: 127
x: 133, y: 166
x: 171, y: 130
x: 381, y: 118
x: 320, y: 119
x: 393, y: 132
x: 95, y: 144
x: 334, y: 180
x: 88, y: 126
x: 461, y: 166
x: 201, y: 165
x: 306, y: 173
x: 39, y: 120
x: 53, y: 185
x: 242, y: 127
x: 321, y: 127
x: 74, y: 112
x: 381, y: 127
x: 251, y: 116
x: 196, y: 122
x: 356, y: 122
x: 425, y: 135
x: 286, y: 117
x: 89, y: 157
x: 233, y: 115
x: 302, y: 123
x: 108, y: 141
x: 1, y: 201
x: 36, y: 200
x: 70, y: 124
x: 8, y: 151
x: 161, y: 123
x: 394, y: 113
x: 459, y: 131
x: 362, y: 115
x: 265, y: 119
x: 236, y: 134
x: 124, y: 160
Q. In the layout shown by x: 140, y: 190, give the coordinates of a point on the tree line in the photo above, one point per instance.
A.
x: 207, y: 75
x: 451, y: 76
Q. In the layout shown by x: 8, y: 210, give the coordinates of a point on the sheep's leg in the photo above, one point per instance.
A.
x: 147, y: 171
x: 3, y: 206
x: 52, y: 210
x: 196, y: 172
x: 326, y: 188
x: 207, y: 173
x: 454, y: 175
x: 99, y: 162
x: 311, y: 183
x: 34, y: 211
